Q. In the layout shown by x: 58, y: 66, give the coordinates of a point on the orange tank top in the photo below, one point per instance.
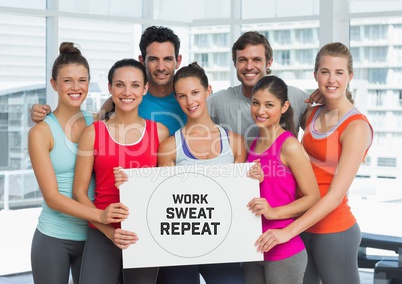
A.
x: 324, y: 150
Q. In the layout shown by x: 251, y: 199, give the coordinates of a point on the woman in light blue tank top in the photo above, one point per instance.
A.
x: 200, y: 141
x: 60, y: 236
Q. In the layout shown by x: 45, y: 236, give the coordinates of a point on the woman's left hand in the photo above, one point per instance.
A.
x: 271, y: 238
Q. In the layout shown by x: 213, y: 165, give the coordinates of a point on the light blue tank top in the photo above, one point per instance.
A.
x: 63, y: 156
x: 184, y: 158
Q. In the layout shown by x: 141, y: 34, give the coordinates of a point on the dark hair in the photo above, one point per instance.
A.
x: 127, y: 62
x: 191, y: 70
x: 252, y: 38
x: 279, y: 89
x: 158, y: 34
x: 69, y: 54
x: 336, y: 49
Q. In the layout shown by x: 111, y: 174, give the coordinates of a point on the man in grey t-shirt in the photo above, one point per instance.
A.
x: 230, y: 108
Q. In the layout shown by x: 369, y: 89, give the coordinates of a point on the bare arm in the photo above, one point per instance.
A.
x: 295, y: 158
x: 106, y: 107
x: 82, y: 177
x: 238, y: 145
x: 163, y: 132
x: 40, y: 143
x: 39, y: 112
x: 167, y: 152
x: 355, y: 140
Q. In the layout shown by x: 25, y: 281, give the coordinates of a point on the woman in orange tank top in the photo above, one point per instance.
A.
x: 337, y: 137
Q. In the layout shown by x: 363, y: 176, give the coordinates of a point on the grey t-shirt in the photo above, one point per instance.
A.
x: 231, y: 109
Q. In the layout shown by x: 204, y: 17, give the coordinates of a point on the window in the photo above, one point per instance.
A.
x: 356, y: 54
x: 201, y: 40
x: 377, y: 76
x: 377, y: 53
x: 282, y: 37
x: 355, y: 33
x: 202, y: 59
x: 282, y: 57
x: 221, y: 40
x: 376, y: 32
x: 222, y: 59
x: 304, y: 36
x: 304, y: 56
x: 386, y: 162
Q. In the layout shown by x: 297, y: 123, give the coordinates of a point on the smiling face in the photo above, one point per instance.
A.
x: 332, y: 76
x: 71, y: 84
x: 251, y: 65
x: 161, y: 63
x: 192, y: 96
x: 127, y: 88
x: 266, y: 109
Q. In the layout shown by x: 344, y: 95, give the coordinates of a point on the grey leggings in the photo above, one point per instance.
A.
x: 102, y: 263
x: 52, y: 258
x: 289, y: 270
x: 332, y: 257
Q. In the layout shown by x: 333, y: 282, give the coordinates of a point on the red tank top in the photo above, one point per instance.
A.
x: 109, y: 154
x: 324, y: 150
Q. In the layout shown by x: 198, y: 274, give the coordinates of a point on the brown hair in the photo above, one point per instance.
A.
x: 69, y: 54
x: 253, y: 38
x: 192, y: 70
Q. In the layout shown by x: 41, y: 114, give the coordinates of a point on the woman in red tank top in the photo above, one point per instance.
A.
x: 122, y: 139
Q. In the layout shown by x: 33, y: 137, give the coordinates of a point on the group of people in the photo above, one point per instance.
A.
x: 159, y: 117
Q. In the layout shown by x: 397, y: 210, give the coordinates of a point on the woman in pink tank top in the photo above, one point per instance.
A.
x: 282, y: 168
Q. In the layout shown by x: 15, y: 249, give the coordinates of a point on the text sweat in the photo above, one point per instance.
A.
x: 184, y: 214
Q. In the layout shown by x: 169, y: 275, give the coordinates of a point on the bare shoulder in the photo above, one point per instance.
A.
x: 40, y: 130
x: 163, y: 132
x: 88, y: 134
x: 291, y: 146
x: 40, y: 138
x: 167, y: 145
x: 357, y: 130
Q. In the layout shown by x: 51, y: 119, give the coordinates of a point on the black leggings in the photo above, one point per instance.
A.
x: 102, y: 263
x: 219, y: 273
x: 52, y: 258
x: 332, y: 257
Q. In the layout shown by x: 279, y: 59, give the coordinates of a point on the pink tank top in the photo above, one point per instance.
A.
x: 278, y: 188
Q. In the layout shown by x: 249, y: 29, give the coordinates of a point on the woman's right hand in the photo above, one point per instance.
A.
x: 123, y: 239
x: 120, y: 177
x: 114, y: 213
x: 256, y: 171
